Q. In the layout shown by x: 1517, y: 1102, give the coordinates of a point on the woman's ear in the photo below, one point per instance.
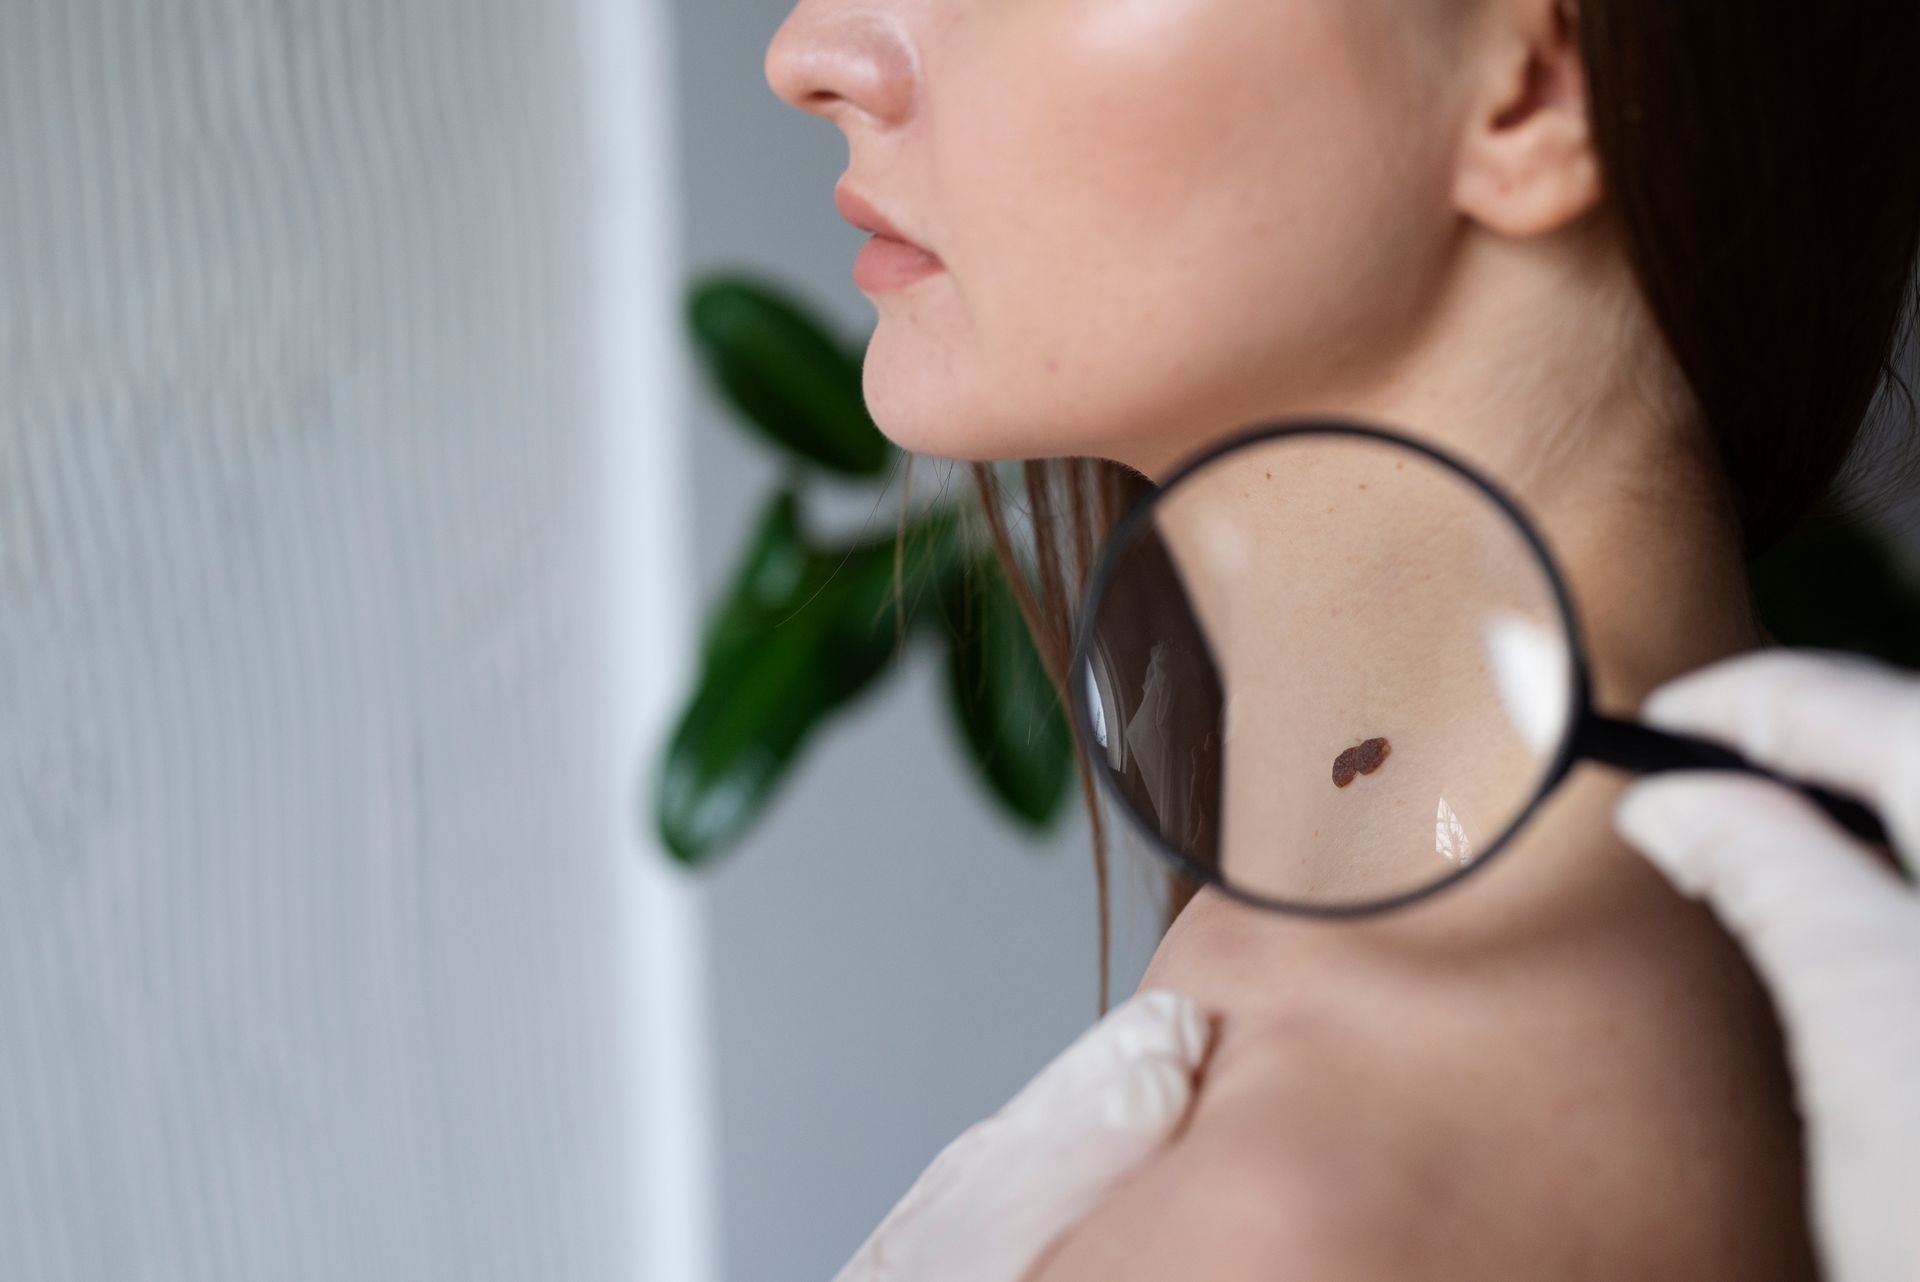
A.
x: 1527, y: 164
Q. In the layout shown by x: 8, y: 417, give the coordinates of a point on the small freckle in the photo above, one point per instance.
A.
x: 1363, y: 485
x: 1053, y: 366
x: 1398, y: 466
x: 1329, y: 509
x: 1269, y: 474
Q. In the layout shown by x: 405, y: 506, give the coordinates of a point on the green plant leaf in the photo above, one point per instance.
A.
x: 799, y: 634
x: 1015, y: 730
x: 779, y: 674
x: 1836, y: 584
x: 788, y: 376
x: 776, y: 559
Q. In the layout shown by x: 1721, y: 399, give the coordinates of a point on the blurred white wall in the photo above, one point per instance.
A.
x: 341, y: 582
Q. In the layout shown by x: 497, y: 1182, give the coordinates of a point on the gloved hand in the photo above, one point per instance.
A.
x: 1831, y: 929
x: 997, y: 1196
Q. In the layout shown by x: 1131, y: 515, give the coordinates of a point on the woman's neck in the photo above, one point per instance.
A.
x: 1540, y: 361
x: 1537, y: 363
x: 1654, y: 561
x: 1335, y: 612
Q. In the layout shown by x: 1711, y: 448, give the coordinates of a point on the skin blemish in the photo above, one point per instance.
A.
x: 1343, y: 769
x: 1362, y: 758
x: 1363, y: 485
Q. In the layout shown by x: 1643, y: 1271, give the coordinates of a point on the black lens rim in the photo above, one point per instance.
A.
x: 1078, y: 665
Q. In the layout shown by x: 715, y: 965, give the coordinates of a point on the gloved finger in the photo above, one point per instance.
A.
x: 996, y: 1196
x: 1109, y: 1084
x: 1830, y: 928
x: 996, y: 1199
x: 1097, y: 1141
x: 1154, y: 1024
x: 1827, y: 716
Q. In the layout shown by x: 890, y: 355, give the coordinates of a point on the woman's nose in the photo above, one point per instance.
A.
x: 835, y: 57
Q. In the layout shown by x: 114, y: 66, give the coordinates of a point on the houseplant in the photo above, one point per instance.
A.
x: 806, y: 626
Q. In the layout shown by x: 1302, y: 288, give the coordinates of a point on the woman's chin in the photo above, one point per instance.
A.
x: 930, y: 420
x: 924, y: 405
x: 922, y: 420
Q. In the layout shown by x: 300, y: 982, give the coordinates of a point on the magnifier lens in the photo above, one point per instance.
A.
x: 1324, y: 668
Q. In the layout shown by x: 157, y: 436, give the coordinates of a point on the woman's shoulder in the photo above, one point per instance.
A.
x: 1236, y: 1196
x: 1567, y: 1073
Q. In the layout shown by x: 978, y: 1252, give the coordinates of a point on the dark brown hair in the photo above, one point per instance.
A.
x: 1760, y: 163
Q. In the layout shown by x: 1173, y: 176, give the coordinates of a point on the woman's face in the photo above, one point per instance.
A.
x: 1157, y: 219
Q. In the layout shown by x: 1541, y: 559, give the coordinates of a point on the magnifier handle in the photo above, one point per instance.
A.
x: 1642, y: 749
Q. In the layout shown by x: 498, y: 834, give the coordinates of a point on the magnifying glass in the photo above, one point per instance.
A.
x: 1331, y: 670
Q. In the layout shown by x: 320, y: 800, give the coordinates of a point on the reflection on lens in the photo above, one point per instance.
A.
x: 1450, y: 837
x: 1327, y: 668
x: 1529, y: 663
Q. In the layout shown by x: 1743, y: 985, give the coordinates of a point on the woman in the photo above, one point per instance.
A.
x: 1643, y: 264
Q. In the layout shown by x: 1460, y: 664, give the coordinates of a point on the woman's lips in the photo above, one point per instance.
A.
x: 885, y: 263
x: 889, y: 260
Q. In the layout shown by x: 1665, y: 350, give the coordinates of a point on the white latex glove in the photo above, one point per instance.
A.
x: 1834, y: 932
x: 996, y: 1197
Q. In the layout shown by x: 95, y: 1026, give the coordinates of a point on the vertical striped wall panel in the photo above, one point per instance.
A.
x: 338, y: 390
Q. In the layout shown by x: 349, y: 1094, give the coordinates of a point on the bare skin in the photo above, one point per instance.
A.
x: 1587, y: 1093
x: 1557, y: 1069
x: 1164, y: 220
